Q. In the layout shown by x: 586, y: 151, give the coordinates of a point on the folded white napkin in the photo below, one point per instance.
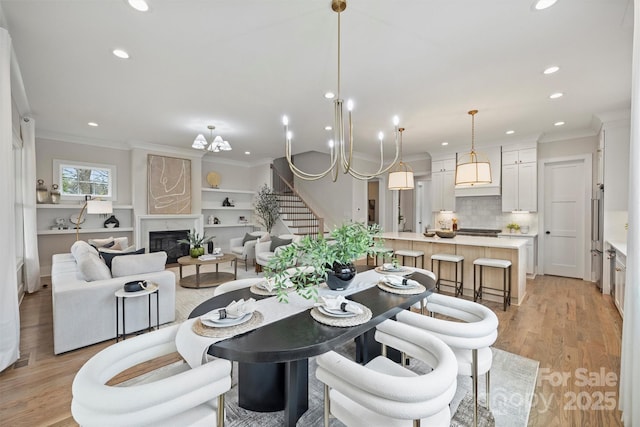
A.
x: 387, y: 266
x: 235, y: 310
x: 270, y: 284
x: 399, y: 281
x: 339, y: 303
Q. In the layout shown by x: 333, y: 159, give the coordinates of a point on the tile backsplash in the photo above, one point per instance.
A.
x: 483, y: 212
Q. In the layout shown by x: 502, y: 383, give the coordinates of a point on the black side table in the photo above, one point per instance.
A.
x: 122, y: 295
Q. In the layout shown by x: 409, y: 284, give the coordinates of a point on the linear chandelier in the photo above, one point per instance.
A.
x: 341, y: 151
x: 217, y: 143
x: 473, y: 168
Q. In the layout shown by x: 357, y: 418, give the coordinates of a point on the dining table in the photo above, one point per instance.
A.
x: 273, y: 359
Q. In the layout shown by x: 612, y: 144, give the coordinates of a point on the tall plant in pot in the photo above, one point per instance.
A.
x: 315, y: 261
x: 267, y: 207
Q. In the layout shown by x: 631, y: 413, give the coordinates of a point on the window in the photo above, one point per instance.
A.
x: 78, y: 179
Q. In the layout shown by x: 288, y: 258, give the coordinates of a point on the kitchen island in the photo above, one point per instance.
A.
x: 471, y: 247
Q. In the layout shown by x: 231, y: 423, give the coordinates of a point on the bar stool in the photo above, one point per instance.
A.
x: 457, y: 260
x: 505, y: 265
x: 412, y: 254
x: 384, y: 252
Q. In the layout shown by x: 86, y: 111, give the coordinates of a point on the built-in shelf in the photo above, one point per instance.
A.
x: 227, y: 208
x: 229, y: 225
x: 222, y: 190
x: 87, y: 230
x: 77, y: 206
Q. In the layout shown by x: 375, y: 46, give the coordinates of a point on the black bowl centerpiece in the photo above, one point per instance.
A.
x: 331, y: 259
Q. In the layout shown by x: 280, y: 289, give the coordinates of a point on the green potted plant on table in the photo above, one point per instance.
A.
x: 196, y: 242
x: 312, y: 261
x: 513, y: 227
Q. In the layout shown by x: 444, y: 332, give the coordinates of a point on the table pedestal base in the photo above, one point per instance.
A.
x: 269, y: 387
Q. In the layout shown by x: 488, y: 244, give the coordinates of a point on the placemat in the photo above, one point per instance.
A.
x: 227, y: 331
x: 411, y: 291
x: 342, y: 322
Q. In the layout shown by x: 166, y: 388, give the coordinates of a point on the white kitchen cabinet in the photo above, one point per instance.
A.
x: 617, y: 289
x: 519, y: 180
x: 531, y: 250
x: 443, y: 175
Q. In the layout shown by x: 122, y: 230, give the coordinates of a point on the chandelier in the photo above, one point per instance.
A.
x: 473, y: 168
x: 341, y: 147
x: 217, y: 144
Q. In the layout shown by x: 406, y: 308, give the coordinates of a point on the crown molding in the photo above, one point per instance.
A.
x: 74, y: 139
x: 559, y: 137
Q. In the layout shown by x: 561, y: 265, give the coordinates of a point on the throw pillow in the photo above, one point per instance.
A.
x: 108, y: 257
x: 92, y: 268
x: 139, y: 264
x: 81, y: 247
x: 101, y: 243
x: 265, y: 238
x: 112, y: 250
x: 248, y: 237
x: 276, y: 242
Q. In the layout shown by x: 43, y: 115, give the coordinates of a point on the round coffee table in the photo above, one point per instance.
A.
x: 207, y: 280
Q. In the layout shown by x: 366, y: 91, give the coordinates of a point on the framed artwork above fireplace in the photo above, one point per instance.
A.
x: 168, y: 185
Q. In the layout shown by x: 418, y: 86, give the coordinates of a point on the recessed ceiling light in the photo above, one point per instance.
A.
x: 558, y: 123
x: 328, y: 128
x: 94, y: 124
x: 140, y: 5
x: 551, y: 69
x: 329, y: 95
x: 121, y: 53
x: 556, y: 95
x: 247, y: 152
x: 510, y: 132
x: 444, y: 143
x: 543, y: 4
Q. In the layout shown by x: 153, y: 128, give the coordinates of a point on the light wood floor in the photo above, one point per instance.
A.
x: 565, y: 324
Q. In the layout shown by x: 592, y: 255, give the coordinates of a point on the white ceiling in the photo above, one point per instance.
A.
x: 240, y: 65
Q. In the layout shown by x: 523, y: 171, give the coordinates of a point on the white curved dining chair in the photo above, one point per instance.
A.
x: 384, y: 393
x: 470, y: 339
x: 236, y: 284
x: 186, y: 397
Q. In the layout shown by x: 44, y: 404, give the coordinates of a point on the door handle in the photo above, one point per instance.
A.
x: 547, y: 232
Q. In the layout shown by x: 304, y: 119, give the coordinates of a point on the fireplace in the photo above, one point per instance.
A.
x: 167, y: 241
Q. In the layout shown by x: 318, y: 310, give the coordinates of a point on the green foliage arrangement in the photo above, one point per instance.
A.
x: 304, y: 263
x: 194, y: 239
x: 267, y: 207
x: 513, y: 226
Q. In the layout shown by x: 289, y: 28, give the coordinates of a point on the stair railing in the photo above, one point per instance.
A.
x: 283, y: 187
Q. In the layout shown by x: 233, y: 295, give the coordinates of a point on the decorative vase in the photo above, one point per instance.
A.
x: 42, y: 194
x: 340, y: 276
x: 196, y: 251
x: 55, y: 194
x: 111, y: 222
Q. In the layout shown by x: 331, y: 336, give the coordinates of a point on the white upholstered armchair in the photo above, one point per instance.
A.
x: 244, y: 248
x: 384, y: 393
x: 470, y: 338
x: 266, y: 250
x: 188, y: 397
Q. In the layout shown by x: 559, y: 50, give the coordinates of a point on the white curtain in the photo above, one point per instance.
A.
x: 630, y: 360
x: 9, y: 314
x: 31, y: 259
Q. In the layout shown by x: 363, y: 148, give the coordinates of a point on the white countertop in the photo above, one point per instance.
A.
x: 492, y: 242
x: 516, y: 234
x: 618, y: 245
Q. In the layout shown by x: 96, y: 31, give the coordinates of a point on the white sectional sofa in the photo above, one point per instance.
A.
x: 84, y: 312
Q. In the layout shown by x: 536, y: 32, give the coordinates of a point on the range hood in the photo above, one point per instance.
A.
x: 494, y: 155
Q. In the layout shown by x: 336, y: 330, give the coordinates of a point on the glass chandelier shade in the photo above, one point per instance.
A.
x: 217, y: 143
x: 473, y: 168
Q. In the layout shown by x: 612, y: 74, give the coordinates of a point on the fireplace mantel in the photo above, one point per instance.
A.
x: 147, y: 223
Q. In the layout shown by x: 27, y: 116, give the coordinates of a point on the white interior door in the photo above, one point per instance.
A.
x: 564, y: 218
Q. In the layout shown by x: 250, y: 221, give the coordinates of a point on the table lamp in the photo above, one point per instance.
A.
x: 94, y: 207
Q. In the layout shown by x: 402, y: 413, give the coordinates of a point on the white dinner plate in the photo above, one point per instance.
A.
x: 402, y: 271
x: 228, y: 321
x: 335, y: 313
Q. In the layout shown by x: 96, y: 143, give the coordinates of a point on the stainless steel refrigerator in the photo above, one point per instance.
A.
x: 597, y: 217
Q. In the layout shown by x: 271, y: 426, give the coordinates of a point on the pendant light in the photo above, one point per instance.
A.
x: 401, y: 177
x: 473, y: 168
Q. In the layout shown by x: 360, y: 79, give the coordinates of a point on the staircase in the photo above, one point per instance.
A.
x: 295, y: 213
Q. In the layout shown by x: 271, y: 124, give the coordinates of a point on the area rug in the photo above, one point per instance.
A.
x: 512, y: 383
